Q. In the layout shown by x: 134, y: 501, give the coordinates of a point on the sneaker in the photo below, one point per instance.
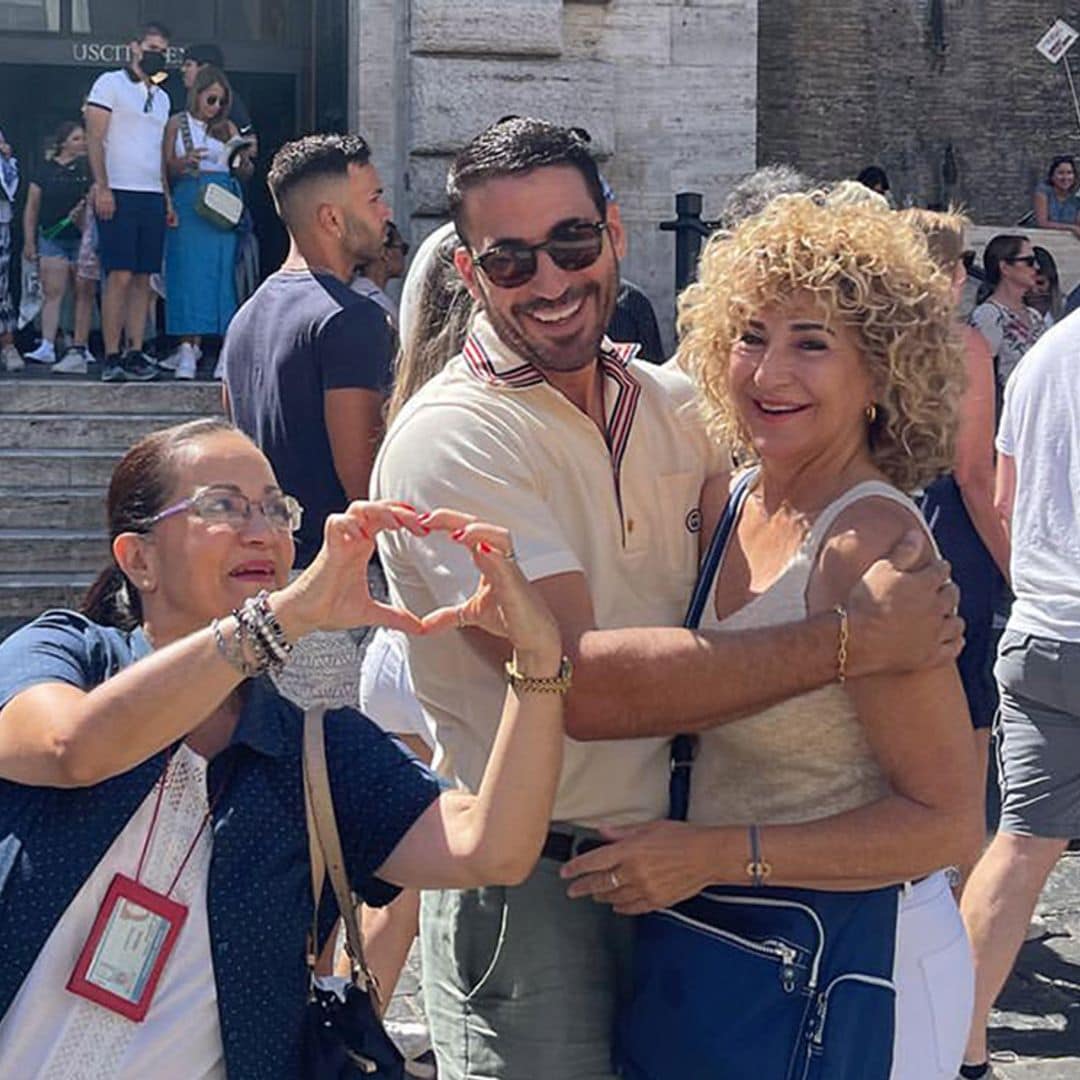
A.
x: 172, y: 361
x: 73, y: 362
x: 138, y: 367
x: 187, y: 361
x: 113, y: 369
x: 219, y: 368
x: 45, y: 353
x: 10, y: 360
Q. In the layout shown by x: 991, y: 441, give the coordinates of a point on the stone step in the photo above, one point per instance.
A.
x: 53, y: 468
x: 24, y: 596
x: 104, y: 431
x: 179, y: 399
x: 66, y: 551
x: 53, y: 508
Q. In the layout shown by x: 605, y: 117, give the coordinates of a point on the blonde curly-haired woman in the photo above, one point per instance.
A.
x: 821, y: 337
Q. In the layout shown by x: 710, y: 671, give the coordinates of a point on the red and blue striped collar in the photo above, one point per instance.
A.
x: 488, y: 359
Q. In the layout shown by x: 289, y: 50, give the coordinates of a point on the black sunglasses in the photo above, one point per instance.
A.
x: 148, y: 104
x: 574, y: 246
x: 213, y: 99
x: 1028, y: 260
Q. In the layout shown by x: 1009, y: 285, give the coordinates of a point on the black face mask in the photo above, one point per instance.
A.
x: 152, y: 63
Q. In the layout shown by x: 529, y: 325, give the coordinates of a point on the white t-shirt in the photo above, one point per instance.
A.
x: 136, y: 130
x: 1040, y: 429
x: 215, y: 159
x: 386, y: 687
x: 50, y: 1033
x: 490, y: 436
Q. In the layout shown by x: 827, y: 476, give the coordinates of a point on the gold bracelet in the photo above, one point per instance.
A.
x: 525, y: 684
x: 842, y: 644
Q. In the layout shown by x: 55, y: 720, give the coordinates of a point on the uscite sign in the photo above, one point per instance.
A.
x: 114, y: 52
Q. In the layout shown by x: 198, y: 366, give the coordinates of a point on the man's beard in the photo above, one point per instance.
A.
x: 577, y: 353
x: 360, y: 243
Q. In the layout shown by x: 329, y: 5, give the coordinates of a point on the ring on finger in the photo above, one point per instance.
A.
x: 614, y: 879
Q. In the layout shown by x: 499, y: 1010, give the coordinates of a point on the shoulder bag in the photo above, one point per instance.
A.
x: 220, y: 205
x: 758, y: 983
x: 344, y: 1037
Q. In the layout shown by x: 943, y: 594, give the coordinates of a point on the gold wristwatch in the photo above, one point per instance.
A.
x: 526, y: 684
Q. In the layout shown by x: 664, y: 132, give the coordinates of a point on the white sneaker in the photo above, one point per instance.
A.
x: 219, y: 368
x: 73, y: 362
x: 186, y: 361
x: 10, y: 360
x: 172, y: 361
x: 45, y: 353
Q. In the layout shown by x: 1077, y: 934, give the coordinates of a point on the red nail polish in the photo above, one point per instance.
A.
x: 485, y: 547
x: 425, y: 530
x: 457, y: 534
x: 408, y: 506
x: 425, y: 516
x: 364, y: 533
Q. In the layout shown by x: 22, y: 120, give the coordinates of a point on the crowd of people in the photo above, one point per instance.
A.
x: 129, y: 200
x: 693, y: 715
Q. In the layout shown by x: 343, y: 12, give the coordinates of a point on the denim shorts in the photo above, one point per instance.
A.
x: 1038, y: 735
x: 65, y: 246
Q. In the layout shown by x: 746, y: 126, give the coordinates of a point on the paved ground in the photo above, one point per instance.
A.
x: 1035, y: 1031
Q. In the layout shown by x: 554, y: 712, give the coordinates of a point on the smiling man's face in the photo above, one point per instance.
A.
x: 557, y: 318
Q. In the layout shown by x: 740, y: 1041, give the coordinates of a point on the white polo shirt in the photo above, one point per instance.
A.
x: 136, y: 130
x: 490, y: 436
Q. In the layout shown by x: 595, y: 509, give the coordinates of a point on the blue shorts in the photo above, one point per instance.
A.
x: 134, y: 237
x: 64, y: 246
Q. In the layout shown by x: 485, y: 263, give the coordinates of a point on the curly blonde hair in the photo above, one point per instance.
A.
x: 871, y: 272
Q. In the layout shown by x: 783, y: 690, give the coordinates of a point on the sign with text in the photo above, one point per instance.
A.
x: 1057, y: 41
x: 115, y: 52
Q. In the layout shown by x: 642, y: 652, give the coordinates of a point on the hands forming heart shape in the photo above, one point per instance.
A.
x: 332, y: 593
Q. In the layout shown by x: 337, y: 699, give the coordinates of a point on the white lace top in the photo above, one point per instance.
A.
x: 52, y: 1034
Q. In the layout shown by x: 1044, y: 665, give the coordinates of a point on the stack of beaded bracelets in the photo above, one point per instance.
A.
x: 258, y: 635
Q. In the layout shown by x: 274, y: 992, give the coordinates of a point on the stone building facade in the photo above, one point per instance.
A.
x: 949, y: 96
x: 666, y: 88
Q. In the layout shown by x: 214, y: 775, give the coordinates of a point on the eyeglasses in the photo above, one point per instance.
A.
x: 223, y: 505
x: 1028, y: 260
x: 575, y: 246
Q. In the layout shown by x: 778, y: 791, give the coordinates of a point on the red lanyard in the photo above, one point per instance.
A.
x: 153, y: 824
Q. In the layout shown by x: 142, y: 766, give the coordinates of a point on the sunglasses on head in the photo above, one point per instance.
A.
x: 1028, y: 260
x: 573, y: 246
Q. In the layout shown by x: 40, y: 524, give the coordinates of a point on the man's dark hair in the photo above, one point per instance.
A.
x: 874, y: 177
x: 205, y: 54
x: 519, y: 145
x: 152, y: 26
x: 311, y: 158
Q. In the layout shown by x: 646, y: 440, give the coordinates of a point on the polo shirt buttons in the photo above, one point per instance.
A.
x: 629, y: 525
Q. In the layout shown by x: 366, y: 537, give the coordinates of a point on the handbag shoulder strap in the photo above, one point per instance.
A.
x: 324, y: 843
x: 683, y: 746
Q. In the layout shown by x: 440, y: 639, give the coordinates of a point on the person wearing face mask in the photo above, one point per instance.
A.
x: 126, y: 114
x: 308, y: 363
x: 199, y: 253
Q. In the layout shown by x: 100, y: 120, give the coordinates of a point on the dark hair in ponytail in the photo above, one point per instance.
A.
x: 1002, y: 248
x: 140, y: 485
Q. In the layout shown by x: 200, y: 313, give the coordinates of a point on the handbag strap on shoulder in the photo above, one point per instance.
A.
x: 185, y: 133
x: 324, y: 843
x: 683, y: 746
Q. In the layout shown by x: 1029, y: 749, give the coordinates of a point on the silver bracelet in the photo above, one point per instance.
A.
x: 233, y: 652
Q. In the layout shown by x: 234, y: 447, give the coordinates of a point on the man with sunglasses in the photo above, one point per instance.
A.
x: 126, y: 114
x: 595, y: 461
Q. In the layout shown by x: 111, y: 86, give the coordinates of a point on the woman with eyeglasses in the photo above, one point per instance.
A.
x: 199, y: 253
x: 144, y: 759
x: 1004, y: 318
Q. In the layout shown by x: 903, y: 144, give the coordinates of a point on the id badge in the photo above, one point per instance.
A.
x: 129, y: 944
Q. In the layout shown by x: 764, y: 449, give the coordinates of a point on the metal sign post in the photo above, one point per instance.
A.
x: 1054, y: 44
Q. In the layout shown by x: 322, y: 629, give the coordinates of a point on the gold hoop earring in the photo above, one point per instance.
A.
x: 871, y: 413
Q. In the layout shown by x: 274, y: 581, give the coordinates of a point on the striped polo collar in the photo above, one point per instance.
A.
x: 488, y: 359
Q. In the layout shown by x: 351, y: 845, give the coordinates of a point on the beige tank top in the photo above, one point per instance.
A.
x: 807, y: 757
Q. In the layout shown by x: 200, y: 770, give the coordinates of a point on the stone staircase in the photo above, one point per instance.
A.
x: 59, y: 441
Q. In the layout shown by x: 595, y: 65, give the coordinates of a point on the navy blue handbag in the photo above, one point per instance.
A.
x: 758, y: 983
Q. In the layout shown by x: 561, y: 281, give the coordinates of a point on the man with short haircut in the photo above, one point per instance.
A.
x: 126, y: 114
x: 1038, y: 665
x: 308, y: 364
x: 595, y: 462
